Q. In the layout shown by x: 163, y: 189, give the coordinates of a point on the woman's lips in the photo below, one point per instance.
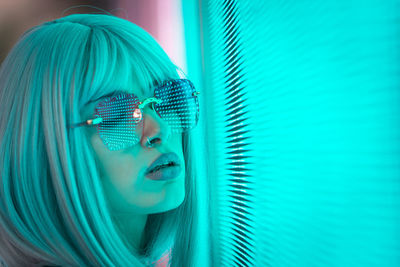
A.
x: 164, y: 159
x: 165, y: 173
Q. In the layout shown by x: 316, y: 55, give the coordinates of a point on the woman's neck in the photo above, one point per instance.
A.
x: 131, y: 227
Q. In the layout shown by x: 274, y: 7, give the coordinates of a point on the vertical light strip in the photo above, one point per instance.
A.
x: 192, y: 35
x: 162, y: 19
x: 170, y: 30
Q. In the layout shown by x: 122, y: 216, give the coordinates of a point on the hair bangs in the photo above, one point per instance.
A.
x: 116, y: 63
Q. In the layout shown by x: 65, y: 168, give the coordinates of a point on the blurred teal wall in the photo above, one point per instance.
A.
x: 302, y: 129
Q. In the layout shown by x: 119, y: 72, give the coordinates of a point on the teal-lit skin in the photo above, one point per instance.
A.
x: 131, y: 195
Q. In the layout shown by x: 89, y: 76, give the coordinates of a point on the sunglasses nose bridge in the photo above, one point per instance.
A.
x: 154, y: 127
x: 149, y: 101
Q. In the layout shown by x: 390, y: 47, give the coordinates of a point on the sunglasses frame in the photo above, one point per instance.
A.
x: 142, y: 104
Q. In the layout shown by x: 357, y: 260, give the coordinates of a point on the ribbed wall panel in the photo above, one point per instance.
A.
x: 236, y: 228
x: 304, y: 116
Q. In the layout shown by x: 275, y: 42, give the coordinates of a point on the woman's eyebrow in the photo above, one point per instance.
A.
x: 116, y: 92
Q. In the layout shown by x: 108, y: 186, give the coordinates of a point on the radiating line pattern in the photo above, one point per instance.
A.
x: 237, y: 229
x: 238, y: 160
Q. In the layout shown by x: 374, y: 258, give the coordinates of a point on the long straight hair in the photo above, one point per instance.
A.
x: 52, y: 207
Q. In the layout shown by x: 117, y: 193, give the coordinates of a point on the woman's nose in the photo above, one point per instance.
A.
x: 155, y: 130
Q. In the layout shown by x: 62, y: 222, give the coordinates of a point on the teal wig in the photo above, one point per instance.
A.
x: 52, y: 207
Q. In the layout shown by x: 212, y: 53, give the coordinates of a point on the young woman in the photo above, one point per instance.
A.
x: 95, y: 164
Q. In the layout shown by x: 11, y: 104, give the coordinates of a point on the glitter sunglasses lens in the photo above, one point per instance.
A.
x: 179, y: 106
x: 121, y: 117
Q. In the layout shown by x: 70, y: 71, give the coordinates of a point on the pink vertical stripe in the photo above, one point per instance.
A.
x: 163, y: 19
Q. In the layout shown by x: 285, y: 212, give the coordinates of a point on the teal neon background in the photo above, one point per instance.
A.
x: 302, y: 129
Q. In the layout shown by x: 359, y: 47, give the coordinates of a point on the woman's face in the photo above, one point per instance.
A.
x: 122, y: 172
